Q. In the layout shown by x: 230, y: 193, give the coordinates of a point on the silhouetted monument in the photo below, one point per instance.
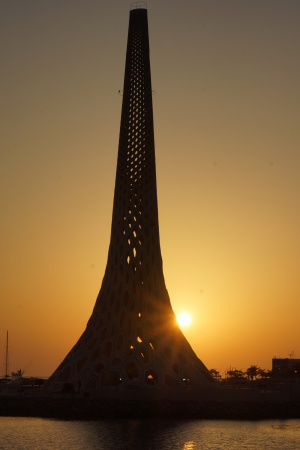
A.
x: 132, y: 339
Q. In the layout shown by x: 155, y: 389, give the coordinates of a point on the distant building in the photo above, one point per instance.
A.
x: 285, y: 367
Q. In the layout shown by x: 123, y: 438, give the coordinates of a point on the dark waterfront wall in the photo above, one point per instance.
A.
x: 229, y: 404
x: 85, y: 409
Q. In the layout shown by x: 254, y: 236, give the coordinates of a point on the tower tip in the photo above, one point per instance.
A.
x: 138, y: 5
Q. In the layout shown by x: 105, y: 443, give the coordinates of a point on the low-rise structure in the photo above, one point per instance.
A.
x: 286, y: 367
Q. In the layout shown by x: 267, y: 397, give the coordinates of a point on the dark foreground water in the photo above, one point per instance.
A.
x: 33, y: 433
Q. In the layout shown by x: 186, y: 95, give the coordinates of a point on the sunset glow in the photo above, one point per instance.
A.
x: 184, y: 319
x: 226, y: 125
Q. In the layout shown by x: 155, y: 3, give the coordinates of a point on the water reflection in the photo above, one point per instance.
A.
x: 44, y: 434
x: 145, y: 434
x: 189, y: 445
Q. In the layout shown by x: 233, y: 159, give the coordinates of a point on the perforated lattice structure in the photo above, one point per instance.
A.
x: 132, y: 337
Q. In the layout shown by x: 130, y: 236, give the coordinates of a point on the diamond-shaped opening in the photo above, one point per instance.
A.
x: 152, y: 344
x: 151, y: 377
x: 144, y: 354
x: 140, y: 333
x: 130, y: 348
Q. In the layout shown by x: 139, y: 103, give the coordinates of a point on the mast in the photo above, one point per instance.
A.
x: 6, y: 357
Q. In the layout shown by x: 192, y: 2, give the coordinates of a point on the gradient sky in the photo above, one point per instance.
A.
x: 226, y: 114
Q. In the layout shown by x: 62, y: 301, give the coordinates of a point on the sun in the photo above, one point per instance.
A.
x: 184, y: 319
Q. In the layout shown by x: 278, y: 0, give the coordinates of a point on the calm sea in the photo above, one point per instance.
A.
x: 32, y: 433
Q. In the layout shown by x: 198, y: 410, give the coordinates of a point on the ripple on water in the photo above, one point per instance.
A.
x: 44, y: 434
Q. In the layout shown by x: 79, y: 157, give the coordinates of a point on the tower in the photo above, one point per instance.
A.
x: 132, y: 339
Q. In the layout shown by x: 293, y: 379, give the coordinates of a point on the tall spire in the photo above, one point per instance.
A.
x: 132, y: 338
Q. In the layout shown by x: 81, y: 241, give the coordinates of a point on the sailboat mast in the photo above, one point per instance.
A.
x: 6, y: 357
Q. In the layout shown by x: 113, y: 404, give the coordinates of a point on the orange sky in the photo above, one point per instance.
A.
x: 226, y: 115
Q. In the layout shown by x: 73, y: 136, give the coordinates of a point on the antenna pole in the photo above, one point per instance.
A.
x: 6, y: 357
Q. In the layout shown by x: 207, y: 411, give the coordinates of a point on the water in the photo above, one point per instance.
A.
x: 40, y: 434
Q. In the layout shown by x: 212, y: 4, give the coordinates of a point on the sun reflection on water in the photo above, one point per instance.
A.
x: 189, y: 445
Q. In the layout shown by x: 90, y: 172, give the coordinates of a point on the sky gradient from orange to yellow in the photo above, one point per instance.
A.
x: 226, y: 117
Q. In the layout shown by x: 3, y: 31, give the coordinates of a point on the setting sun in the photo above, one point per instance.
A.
x: 184, y: 319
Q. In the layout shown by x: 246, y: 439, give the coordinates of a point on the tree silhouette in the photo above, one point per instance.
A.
x: 235, y: 374
x: 216, y: 374
x: 253, y: 372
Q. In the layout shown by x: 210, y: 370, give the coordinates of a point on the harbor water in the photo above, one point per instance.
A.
x: 34, y: 433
